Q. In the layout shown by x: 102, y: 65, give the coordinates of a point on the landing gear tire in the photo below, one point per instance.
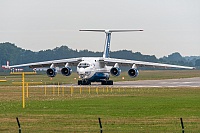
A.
x: 108, y: 82
x: 79, y: 82
x: 84, y: 82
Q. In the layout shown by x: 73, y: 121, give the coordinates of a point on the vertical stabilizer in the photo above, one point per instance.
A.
x: 7, y: 66
x: 106, y: 53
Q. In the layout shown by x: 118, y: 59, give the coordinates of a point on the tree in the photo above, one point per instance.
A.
x: 197, y: 62
x: 10, y: 52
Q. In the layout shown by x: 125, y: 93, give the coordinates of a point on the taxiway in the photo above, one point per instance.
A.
x: 182, y: 82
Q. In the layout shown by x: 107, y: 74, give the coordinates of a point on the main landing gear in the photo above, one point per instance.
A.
x: 86, y: 82
x: 107, y: 82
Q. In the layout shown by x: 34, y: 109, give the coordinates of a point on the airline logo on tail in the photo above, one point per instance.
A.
x: 106, y: 53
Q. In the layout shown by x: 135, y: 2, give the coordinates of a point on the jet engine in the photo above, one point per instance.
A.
x: 115, y: 71
x: 133, y: 72
x: 66, y: 71
x: 51, y: 72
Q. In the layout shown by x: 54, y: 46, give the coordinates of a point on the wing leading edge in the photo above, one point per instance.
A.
x: 108, y: 61
x: 62, y: 62
x: 112, y: 61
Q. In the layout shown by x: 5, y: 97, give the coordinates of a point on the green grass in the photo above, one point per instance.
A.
x: 122, y: 110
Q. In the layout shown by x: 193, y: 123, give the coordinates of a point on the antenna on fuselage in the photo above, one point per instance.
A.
x: 108, y: 39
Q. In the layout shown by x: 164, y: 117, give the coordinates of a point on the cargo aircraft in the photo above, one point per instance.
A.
x: 95, y: 69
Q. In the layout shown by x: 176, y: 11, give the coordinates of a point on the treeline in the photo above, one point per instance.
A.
x: 10, y: 52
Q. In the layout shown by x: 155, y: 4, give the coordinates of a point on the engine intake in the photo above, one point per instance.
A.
x: 115, y: 71
x: 133, y: 72
x: 51, y: 72
x: 66, y: 71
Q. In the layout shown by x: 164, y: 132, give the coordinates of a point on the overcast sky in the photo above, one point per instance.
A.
x: 169, y: 25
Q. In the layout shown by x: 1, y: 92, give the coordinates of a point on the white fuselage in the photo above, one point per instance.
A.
x: 93, y: 70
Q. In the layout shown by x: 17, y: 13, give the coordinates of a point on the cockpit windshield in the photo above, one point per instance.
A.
x: 83, y: 65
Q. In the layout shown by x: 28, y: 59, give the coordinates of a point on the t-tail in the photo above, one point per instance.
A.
x: 106, y: 53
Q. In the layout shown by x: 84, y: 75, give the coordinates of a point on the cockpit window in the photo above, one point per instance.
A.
x: 83, y: 65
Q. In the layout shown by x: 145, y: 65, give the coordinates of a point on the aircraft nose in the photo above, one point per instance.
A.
x: 81, y: 71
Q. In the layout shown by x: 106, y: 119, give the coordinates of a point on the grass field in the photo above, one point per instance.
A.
x: 125, y: 110
x: 145, y: 110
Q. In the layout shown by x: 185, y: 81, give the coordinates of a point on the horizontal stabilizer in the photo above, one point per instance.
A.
x: 108, y: 38
x: 109, y: 31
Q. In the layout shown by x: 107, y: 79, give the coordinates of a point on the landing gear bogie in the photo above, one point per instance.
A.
x: 84, y: 82
x: 107, y: 82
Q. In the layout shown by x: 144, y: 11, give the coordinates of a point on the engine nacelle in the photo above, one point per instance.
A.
x: 115, y: 71
x: 133, y: 72
x: 66, y: 71
x: 51, y: 72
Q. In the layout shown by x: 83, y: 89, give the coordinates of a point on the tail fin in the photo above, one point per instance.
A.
x: 106, y: 53
x: 6, y: 66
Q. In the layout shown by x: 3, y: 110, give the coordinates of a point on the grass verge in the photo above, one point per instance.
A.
x: 121, y: 110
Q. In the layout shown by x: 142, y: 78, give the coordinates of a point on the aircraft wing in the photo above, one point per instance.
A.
x: 57, y: 63
x: 123, y: 62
